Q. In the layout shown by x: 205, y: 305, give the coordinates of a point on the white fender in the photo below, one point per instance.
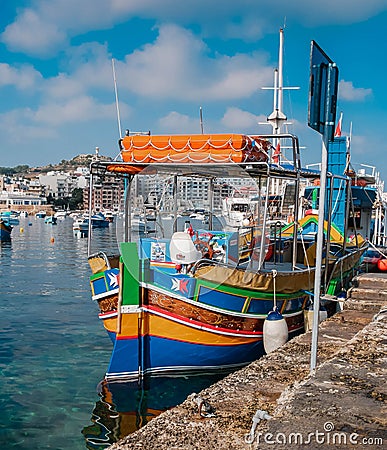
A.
x: 275, y: 331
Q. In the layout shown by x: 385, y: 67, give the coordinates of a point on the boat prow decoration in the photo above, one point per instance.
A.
x: 202, y: 148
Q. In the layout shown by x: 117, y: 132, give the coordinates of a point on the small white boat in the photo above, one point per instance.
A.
x: 60, y: 215
x: 41, y: 214
x: 81, y: 224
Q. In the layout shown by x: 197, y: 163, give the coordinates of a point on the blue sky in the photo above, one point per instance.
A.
x: 172, y: 57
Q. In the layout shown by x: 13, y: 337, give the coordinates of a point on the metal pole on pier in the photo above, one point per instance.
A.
x: 319, y: 249
x: 321, y: 117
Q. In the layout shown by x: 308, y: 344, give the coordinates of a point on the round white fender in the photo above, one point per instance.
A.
x: 275, y: 331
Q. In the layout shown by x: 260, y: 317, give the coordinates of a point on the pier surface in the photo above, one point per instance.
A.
x: 341, y: 405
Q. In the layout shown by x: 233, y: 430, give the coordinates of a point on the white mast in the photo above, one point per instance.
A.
x: 116, y: 94
x: 277, y: 118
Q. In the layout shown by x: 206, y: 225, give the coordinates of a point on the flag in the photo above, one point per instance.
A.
x: 190, y: 230
x: 338, y: 126
x: 277, y: 153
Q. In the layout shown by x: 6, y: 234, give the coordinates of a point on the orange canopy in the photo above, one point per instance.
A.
x: 199, y: 148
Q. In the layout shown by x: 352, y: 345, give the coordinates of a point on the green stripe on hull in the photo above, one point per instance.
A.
x: 240, y: 292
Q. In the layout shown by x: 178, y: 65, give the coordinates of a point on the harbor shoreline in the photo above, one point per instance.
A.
x: 344, y: 399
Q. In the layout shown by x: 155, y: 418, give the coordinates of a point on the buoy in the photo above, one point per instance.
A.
x: 275, y: 331
x: 382, y: 264
x: 52, y: 240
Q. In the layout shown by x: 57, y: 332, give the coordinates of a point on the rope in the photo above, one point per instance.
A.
x: 274, y: 289
x: 375, y: 248
x: 304, y: 249
x: 337, y: 197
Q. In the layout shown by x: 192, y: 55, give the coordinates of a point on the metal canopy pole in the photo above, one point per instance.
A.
x: 175, y: 193
x: 128, y: 211
x: 91, y: 181
x: 211, y: 204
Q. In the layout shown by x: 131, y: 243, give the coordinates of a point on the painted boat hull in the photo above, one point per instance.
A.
x: 182, y: 325
x: 5, y: 231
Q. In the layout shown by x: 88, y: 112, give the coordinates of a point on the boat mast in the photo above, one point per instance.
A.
x: 116, y: 95
x: 277, y: 118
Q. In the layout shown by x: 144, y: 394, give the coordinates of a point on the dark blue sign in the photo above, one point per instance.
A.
x: 323, y: 86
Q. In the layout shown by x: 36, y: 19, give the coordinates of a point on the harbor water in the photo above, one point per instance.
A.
x: 54, y: 351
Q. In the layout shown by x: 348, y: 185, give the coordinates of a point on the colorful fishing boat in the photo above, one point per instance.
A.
x: 210, y: 298
x: 10, y: 217
x: 5, y: 231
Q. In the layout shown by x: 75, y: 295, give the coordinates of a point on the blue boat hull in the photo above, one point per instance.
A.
x: 5, y: 231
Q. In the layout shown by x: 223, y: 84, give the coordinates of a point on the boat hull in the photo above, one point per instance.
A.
x: 5, y: 231
x: 173, y: 334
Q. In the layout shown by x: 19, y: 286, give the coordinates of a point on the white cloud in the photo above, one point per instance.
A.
x: 16, y: 125
x: 23, y: 77
x: 237, y: 119
x: 348, y: 92
x: 178, y: 65
x: 47, y: 27
x: 33, y: 35
x: 175, y: 122
x: 75, y: 110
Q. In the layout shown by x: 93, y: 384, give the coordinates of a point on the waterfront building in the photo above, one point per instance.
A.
x: 19, y: 201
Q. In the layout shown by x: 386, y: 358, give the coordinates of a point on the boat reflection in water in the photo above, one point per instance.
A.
x: 125, y: 407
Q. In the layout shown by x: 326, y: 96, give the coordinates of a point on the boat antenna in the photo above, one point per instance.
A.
x: 201, y: 119
x: 116, y: 94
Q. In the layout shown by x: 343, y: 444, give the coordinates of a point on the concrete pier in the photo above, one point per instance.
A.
x: 341, y: 405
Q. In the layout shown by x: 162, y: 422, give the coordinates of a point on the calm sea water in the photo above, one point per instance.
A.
x: 54, y: 351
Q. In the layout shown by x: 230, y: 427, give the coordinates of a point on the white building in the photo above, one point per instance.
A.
x: 19, y: 201
x: 60, y: 184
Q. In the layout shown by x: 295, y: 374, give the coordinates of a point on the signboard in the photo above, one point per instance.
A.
x: 323, y: 85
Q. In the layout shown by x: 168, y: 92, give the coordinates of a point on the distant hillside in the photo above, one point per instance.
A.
x: 83, y: 160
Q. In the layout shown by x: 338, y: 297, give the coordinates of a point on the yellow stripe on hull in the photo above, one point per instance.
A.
x: 154, y: 325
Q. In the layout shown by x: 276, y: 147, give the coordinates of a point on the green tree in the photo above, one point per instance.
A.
x: 76, y: 199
